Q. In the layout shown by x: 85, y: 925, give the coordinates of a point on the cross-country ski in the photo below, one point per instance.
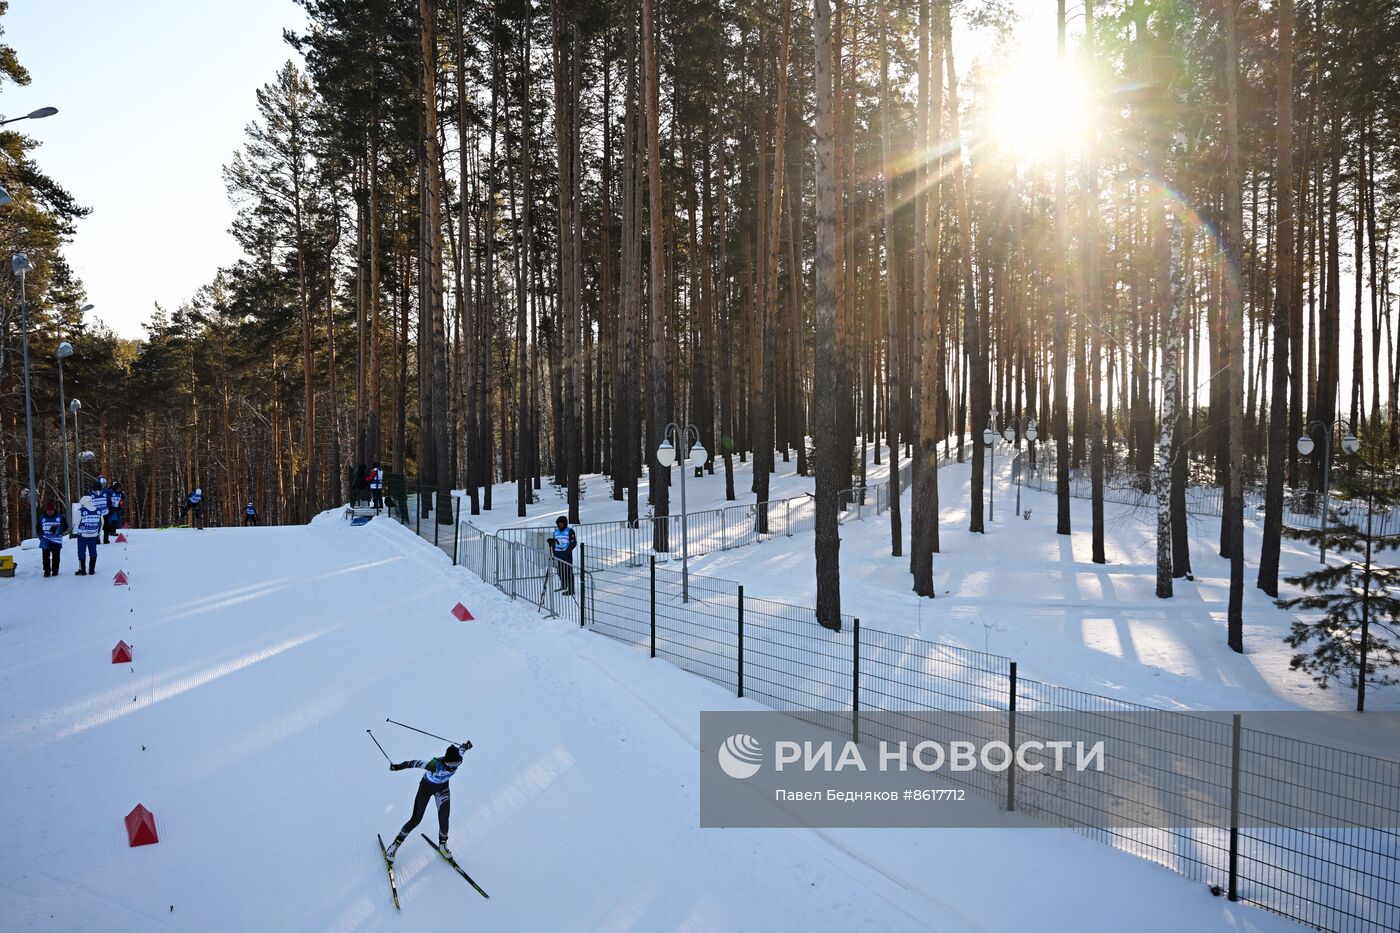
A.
x: 389, y: 867
x: 447, y: 857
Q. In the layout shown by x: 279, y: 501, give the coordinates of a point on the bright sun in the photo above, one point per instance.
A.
x: 1037, y: 105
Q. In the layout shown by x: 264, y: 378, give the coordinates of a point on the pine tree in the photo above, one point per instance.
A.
x: 1359, y: 598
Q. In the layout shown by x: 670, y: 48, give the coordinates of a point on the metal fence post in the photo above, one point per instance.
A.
x: 456, y: 529
x: 787, y: 517
x: 582, y: 586
x: 1011, y: 741
x: 855, y: 681
x: 437, y: 525
x: 741, y: 640
x: 1234, y: 889
x: 653, y: 605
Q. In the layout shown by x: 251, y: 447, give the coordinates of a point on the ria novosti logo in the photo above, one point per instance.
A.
x: 741, y: 756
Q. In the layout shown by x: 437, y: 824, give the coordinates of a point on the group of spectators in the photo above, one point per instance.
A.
x: 99, y: 515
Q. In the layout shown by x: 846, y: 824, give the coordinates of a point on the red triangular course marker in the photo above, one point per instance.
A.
x: 122, y: 653
x: 141, y: 827
x: 121, y: 538
x: 120, y: 579
x: 461, y: 613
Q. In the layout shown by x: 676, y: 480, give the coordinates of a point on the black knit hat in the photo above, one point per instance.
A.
x: 453, y: 754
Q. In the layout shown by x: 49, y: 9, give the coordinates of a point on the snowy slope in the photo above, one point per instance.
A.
x: 261, y: 657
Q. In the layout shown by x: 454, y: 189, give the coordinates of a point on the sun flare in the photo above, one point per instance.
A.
x: 1038, y: 105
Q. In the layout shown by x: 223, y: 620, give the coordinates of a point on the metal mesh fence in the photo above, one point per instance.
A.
x: 704, y: 532
x: 1345, y: 879
x: 1302, y: 508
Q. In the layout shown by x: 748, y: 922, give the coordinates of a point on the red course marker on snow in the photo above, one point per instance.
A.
x: 120, y: 579
x: 121, y: 538
x: 122, y: 653
x: 461, y: 613
x: 141, y: 827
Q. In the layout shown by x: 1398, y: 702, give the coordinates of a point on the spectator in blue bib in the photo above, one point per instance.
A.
x: 562, y: 542
x: 53, y: 525
x: 99, y: 498
x: 115, y: 499
x: 89, y: 527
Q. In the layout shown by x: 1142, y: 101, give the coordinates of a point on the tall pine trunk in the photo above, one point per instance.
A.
x: 831, y: 455
x: 656, y: 236
x: 1283, y: 311
x: 1234, y: 333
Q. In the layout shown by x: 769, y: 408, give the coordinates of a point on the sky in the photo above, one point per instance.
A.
x: 153, y: 96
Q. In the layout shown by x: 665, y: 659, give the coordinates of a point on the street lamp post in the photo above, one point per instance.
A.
x: 21, y: 267
x: 65, y: 350
x: 672, y: 451
x: 74, y: 407
x: 1012, y: 432
x: 989, y: 438
x: 1350, y: 445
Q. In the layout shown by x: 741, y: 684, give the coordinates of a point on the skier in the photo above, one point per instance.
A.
x: 562, y: 542
x: 375, y: 478
x: 115, y: 499
x: 52, y: 527
x: 250, y: 514
x: 89, y: 527
x: 434, y: 784
x: 194, y: 508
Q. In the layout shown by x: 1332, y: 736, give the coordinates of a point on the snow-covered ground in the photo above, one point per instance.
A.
x: 1024, y: 592
x: 262, y: 656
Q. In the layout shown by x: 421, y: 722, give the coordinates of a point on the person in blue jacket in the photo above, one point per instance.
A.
x: 53, y: 525
x: 99, y: 499
x: 89, y: 527
x: 113, y: 523
x: 433, y: 785
x: 562, y: 542
x: 194, y: 508
x: 250, y: 514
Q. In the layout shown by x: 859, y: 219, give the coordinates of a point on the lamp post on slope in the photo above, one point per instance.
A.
x: 1350, y: 445
x: 674, y: 443
x: 990, y: 436
x: 1010, y: 434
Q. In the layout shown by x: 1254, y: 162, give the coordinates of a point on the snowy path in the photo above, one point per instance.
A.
x: 262, y: 655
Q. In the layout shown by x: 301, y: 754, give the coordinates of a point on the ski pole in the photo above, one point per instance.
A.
x: 429, y: 734
x: 381, y: 748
